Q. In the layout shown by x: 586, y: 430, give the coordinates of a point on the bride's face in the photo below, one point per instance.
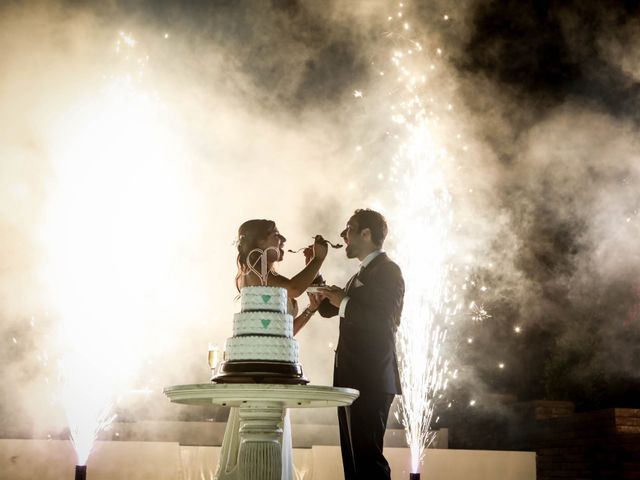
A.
x: 275, y: 240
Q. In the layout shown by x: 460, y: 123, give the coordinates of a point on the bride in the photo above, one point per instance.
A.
x: 264, y: 235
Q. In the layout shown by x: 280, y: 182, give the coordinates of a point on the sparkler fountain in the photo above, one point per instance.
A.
x: 109, y: 243
x: 422, y: 252
x: 81, y: 472
x: 88, y: 411
x: 422, y: 220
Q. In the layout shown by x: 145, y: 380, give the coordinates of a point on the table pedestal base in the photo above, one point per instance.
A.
x: 257, y: 440
x: 260, y: 453
x: 253, y: 447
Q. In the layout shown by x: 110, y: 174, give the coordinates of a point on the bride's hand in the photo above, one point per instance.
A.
x: 308, y: 254
x: 320, y: 248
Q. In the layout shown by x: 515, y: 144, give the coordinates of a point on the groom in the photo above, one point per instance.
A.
x: 369, y: 308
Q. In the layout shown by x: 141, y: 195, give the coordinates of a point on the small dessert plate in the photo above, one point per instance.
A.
x: 315, y: 289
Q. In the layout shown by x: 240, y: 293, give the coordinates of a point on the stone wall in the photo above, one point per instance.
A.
x: 602, y: 444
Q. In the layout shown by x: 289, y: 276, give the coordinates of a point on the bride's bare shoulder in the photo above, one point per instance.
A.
x: 249, y: 280
x: 277, y: 280
x: 253, y: 280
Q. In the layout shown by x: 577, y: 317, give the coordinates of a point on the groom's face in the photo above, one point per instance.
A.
x: 351, y: 238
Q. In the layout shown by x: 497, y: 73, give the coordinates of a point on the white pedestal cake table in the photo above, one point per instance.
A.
x: 253, y: 450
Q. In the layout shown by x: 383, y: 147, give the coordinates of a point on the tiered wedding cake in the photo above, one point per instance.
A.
x: 262, y: 330
x: 262, y: 349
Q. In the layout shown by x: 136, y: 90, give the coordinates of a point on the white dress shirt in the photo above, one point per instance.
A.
x: 367, y: 260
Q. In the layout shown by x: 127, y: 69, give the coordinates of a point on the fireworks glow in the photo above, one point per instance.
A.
x: 422, y: 221
x: 113, y: 220
x: 478, y: 312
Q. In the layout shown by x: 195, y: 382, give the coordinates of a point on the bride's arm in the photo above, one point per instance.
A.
x: 297, y: 284
x: 301, y: 281
x: 302, y: 319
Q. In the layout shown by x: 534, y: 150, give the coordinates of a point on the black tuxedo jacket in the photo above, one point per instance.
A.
x: 366, y: 355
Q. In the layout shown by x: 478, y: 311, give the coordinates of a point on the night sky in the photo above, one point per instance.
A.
x: 560, y: 122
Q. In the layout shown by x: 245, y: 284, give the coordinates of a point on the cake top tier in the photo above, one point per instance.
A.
x: 258, y: 298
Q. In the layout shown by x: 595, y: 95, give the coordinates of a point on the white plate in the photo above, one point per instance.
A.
x: 315, y: 289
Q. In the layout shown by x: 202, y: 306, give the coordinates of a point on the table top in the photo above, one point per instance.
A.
x: 244, y: 394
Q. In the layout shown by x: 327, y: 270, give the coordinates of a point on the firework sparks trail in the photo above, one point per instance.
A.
x: 88, y: 410
x: 111, y: 227
x: 478, y: 312
x: 422, y: 223
x: 422, y: 219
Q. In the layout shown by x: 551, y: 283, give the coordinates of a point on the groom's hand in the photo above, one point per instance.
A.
x: 333, y: 294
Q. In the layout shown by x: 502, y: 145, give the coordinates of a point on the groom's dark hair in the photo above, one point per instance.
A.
x: 374, y: 221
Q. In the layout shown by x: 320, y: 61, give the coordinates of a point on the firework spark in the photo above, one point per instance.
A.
x: 111, y: 226
x: 423, y: 220
x: 478, y: 312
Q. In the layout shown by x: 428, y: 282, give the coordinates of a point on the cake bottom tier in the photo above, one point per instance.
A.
x: 261, y: 349
x: 260, y: 372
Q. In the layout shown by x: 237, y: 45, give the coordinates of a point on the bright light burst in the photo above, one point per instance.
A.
x: 478, y: 312
x: 422, y: 222
x: 114, y: 220
x: 87, y: 403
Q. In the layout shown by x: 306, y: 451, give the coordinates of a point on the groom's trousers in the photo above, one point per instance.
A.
x: 362, y: 426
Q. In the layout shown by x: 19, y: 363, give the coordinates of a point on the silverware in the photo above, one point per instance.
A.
x: 333, y: 245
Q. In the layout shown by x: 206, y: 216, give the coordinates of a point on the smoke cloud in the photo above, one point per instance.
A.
x: 136, y: 139
x: 550, y: 94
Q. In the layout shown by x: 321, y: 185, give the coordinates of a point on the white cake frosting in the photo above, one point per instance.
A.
x: 263, y: 323
x: 259, y: 298
x: 262, y: 348
x: 262, y: 331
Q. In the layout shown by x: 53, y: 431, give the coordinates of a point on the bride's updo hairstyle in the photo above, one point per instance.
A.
x: 249, y: 234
